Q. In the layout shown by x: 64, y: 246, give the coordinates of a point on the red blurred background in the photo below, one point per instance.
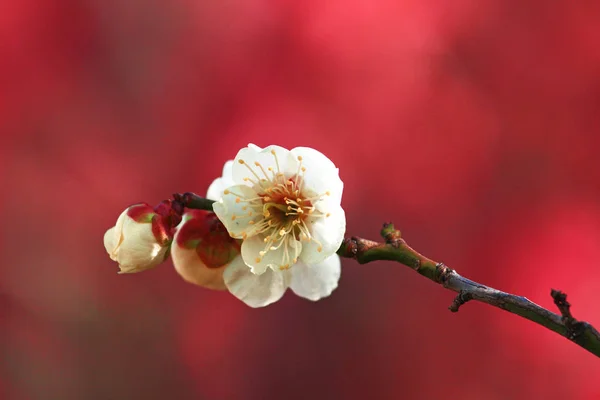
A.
x: 472, y: 124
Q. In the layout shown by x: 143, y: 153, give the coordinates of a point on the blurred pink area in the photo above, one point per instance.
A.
x: 473, y: 125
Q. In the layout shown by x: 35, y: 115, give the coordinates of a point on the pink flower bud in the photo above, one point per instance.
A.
x: 202, y: 249
x: 139, y: 240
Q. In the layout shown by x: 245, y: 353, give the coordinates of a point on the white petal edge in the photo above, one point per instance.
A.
x: 232, y: 214
x: 216, y: 189
x: 329, y: 234
x: 110, y: 241
x: 313, y: 282
x: 113, y: 240
x: 254, y: 147
x: 288, y: 164
x: 321, y: 175
x: 254, y: 290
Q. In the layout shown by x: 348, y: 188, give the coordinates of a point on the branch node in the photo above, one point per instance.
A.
x: 349, y: 248
x: 417, y: 264
x: 461, y: 298
x: 353, y: 246
x: 574, y: 328
x: 391, y: 235
x: 443, y: 272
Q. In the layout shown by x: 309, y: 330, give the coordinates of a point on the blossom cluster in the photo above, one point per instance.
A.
x: 277, y: 223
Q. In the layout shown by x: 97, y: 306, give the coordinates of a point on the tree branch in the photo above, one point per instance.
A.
x: 394, y: 248
x: 192, y: 200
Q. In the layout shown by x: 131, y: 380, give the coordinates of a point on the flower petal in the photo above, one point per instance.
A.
x: 231, y: 212
x: 113, y: 240
x: 250, y: 254
x: 328, y: 234
x: 254, y: 147
x: 216, y: 189
x: 191, y: 268
x: 254, y: 290
x: 275, y: 259
x: 321, y: 174
x: 245, y: 170
x: 110, y: 241
x: 313, y: 282
x: 139, y: 250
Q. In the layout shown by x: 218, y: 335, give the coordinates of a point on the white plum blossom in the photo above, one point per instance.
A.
x: 285, y: 206
x: 138, y: 241
x: 277, y: 224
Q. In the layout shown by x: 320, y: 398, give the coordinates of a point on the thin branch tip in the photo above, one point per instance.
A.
x: 395, y: 248
x: 443, y: 272
x: 461, y: 298
x: 560, y: 300
x: 574, y: 327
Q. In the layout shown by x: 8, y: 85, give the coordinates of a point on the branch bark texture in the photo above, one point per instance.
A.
x: 394, y: 248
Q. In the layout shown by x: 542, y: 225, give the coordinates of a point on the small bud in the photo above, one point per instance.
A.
x: 139, y: 240
x: 202, y: 249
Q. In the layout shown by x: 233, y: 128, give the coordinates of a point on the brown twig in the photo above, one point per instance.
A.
x: 192, y: 200
x: 461, y: 298
x: 394, y: 248
x: 574, y: 328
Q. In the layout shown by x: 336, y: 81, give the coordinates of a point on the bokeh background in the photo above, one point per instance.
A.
x: 474, y: 125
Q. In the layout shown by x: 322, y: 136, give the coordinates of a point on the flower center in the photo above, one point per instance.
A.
x: 281, y: 210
